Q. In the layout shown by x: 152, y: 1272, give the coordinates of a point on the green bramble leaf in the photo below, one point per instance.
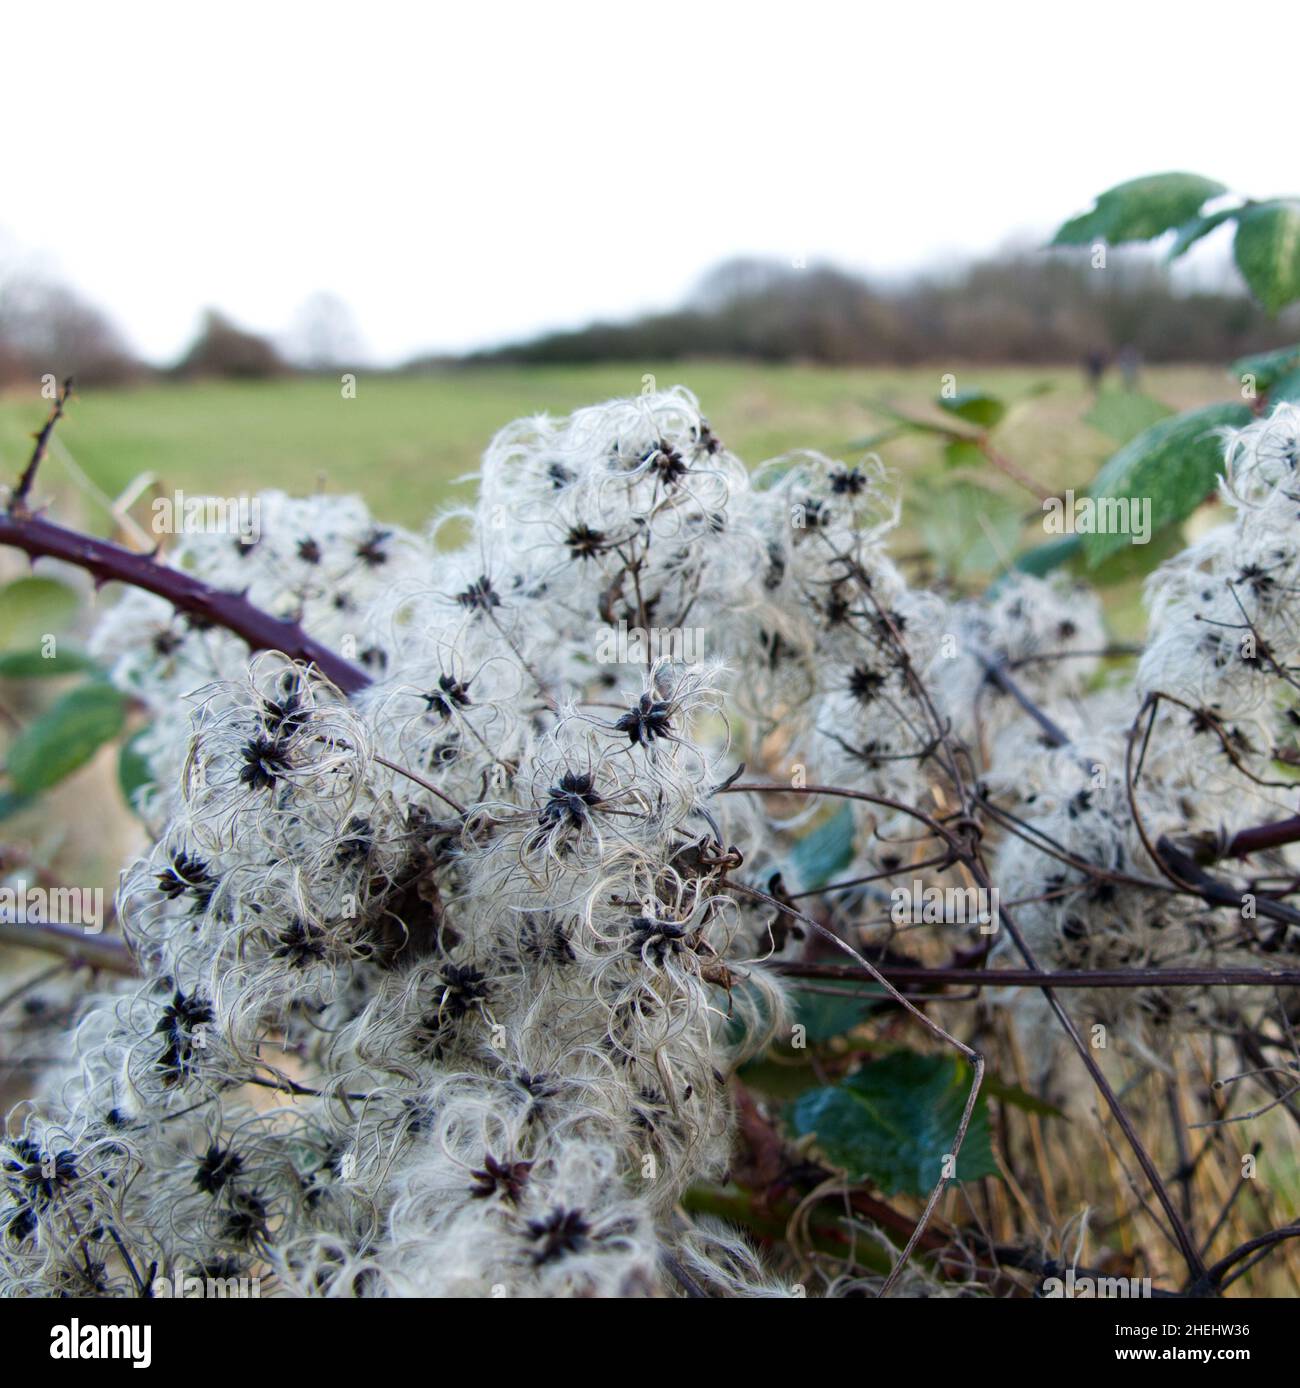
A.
x: 1140, y: 209
x: 976, y: 407
x: 1191, y: 232
x: 1267, y: 252
x: 895, y: 1120
x: 1266, y: 368
x: 65, y: 737
x: 1174, y: 465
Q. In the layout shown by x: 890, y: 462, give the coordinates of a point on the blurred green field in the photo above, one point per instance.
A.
x: 403, y: 441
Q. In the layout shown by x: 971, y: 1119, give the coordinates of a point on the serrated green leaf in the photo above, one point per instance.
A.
x: 976, y: 407
x: 33, y: 608
x: 65, y: 737
x: 1140, y: 209
x: 1123, y: 414
x: 1200, y: 226
x: 1264, y: 368
x: 895, y: 1120
x: 33, y: 664
x: 1174, y: 464
x: 1267, y: 252
x: 133, y: 769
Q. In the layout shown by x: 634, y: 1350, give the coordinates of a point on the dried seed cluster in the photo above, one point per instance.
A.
x: 488, y: 928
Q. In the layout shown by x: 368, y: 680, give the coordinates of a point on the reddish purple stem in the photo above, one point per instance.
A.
x: 111, y: 563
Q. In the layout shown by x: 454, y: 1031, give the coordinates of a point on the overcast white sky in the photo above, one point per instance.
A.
x: 464, y: 173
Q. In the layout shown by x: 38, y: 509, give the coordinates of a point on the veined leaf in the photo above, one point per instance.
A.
x: 65, y: 737
x: 1140, y: 209
x: 1267, y: 252
x: 1173, y: 465
x: 895, y: 1120
x: 1200, y: 226
x: 1265, y: 368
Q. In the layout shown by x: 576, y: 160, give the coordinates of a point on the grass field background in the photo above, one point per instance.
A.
x: 402, y: 441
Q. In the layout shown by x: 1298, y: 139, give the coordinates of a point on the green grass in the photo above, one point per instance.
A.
x: 402, y: 442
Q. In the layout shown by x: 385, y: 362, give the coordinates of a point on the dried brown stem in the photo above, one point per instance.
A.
x: 97, y: 952
x: 1061, y: 978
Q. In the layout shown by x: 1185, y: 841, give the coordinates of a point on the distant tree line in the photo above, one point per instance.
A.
x: 46, y: 328
x: 1030, y: 307
x: 1027, y: 308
